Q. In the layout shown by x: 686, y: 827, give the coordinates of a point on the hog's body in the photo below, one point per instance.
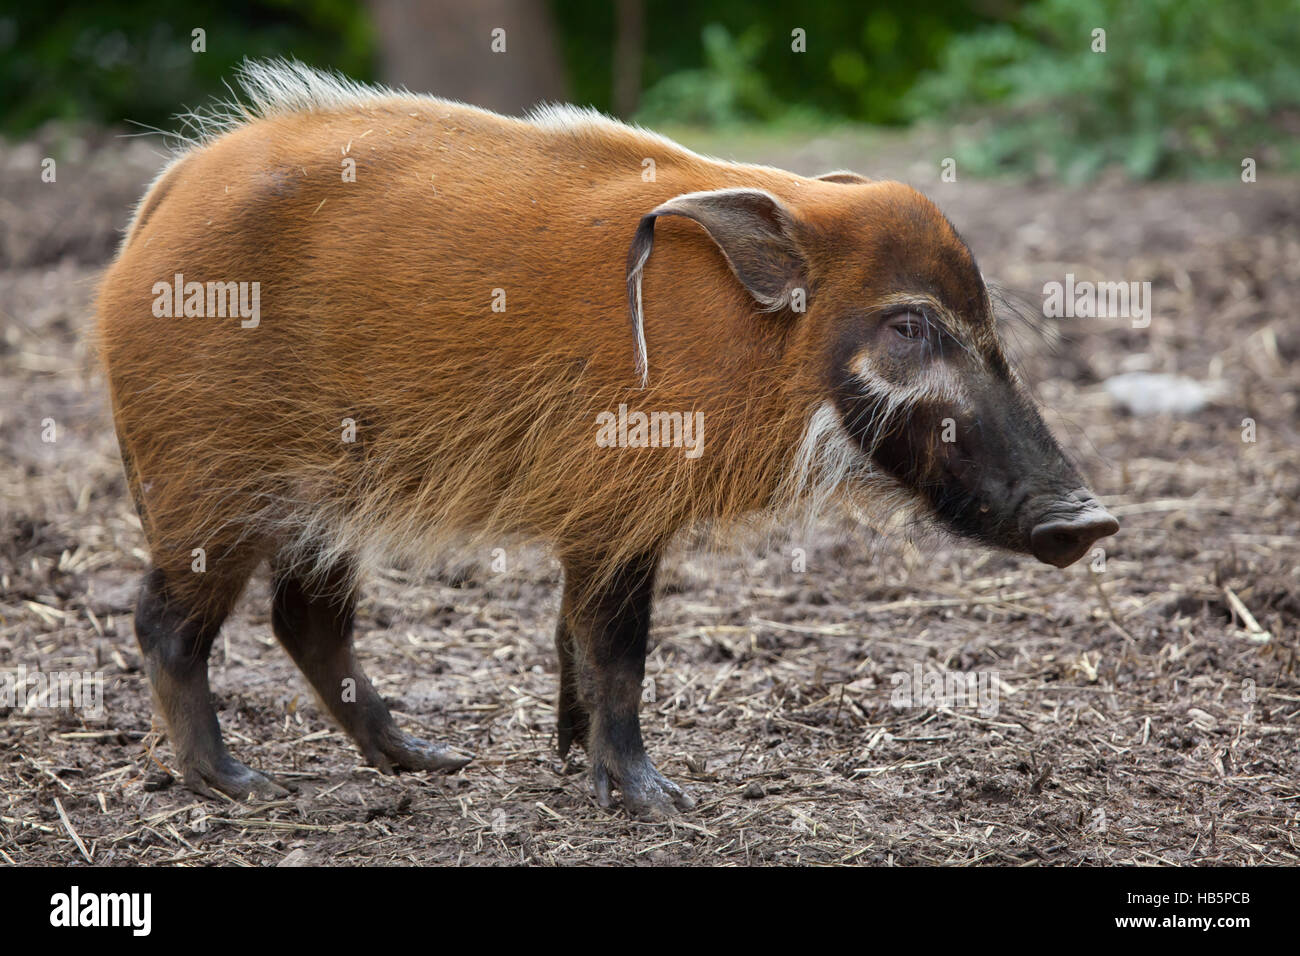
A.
x: 377, y: 305
x: 378, y: 407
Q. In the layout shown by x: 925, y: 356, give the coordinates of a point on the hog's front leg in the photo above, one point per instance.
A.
x: 605, y: 621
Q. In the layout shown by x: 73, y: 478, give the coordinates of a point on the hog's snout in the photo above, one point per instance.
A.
x: 1067, y: 528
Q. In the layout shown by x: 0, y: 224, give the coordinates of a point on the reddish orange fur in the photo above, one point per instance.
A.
x: 472, y: 425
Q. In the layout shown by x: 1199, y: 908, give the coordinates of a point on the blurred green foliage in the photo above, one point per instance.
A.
x: 728, y: 88
x: 724, y: 61
x: 1184, y: 87
x: 131, y: 60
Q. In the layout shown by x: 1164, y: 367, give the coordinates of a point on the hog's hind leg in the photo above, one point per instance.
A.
x: 313, y: 620
x: 175, y: 644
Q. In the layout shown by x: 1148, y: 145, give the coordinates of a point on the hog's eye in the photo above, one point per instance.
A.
x: 910, y: 325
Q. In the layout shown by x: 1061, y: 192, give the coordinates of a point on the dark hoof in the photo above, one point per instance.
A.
x: 234, y: 780
x: 401, y: 751
x: 647, y: 793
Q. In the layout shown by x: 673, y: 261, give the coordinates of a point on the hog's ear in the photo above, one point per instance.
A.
x: 845, y: 177
x: 755, y: 233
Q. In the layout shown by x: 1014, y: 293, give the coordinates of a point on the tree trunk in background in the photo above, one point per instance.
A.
x: 629, y: 46
x: 444, y: 47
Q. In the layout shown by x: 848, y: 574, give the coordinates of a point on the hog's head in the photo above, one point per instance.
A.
x: 900, y: 327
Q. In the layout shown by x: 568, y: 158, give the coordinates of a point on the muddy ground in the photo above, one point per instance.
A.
x: 1139, y: 718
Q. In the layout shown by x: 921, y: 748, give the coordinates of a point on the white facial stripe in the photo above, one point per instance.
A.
x: 937, y: 382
